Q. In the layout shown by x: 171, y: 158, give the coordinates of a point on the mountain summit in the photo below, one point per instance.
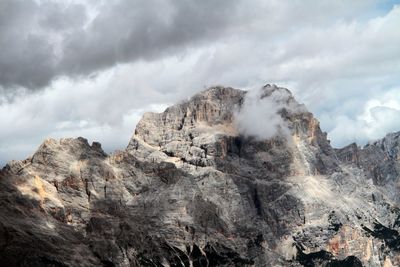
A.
x: 226, y: 178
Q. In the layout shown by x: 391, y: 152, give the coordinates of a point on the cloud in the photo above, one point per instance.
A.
x: 68, y: 110
x: 30, y: 37
x: 380, y: 116
x: 43, y: 40
x: 259, y: 116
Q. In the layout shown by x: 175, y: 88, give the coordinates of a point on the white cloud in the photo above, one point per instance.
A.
x: 258, y: 117
x: 70, y: 109
x: 380, y: 116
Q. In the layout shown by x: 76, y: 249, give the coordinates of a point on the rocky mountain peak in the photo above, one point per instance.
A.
x: 206, y: 129
x: 214, y: 106
x: 225, y: 178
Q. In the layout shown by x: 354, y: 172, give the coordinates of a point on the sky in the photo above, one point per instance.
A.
x: 91, y: 68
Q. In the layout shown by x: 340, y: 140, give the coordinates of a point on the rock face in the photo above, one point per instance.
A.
x: 191, y: 190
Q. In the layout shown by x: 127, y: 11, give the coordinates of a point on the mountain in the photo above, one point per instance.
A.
x: 195, y: 187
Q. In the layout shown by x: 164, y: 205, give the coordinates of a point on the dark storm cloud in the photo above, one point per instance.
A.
x: 29, y: 36
x: 131, y: 30
x: 42, y: 40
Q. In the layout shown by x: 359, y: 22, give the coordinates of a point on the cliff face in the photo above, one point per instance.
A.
x: 192, y: 190
x: 378, y: 159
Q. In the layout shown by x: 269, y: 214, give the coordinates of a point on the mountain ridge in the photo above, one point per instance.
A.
x: 191, y: 189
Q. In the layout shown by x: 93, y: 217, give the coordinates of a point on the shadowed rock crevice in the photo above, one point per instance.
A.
x: 325, y: 259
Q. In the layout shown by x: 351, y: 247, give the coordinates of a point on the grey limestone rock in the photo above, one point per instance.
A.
x: 192, y: 190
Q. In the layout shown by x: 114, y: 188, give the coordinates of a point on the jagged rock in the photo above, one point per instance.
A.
x: 192, y: 190
x: 378, y: 159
